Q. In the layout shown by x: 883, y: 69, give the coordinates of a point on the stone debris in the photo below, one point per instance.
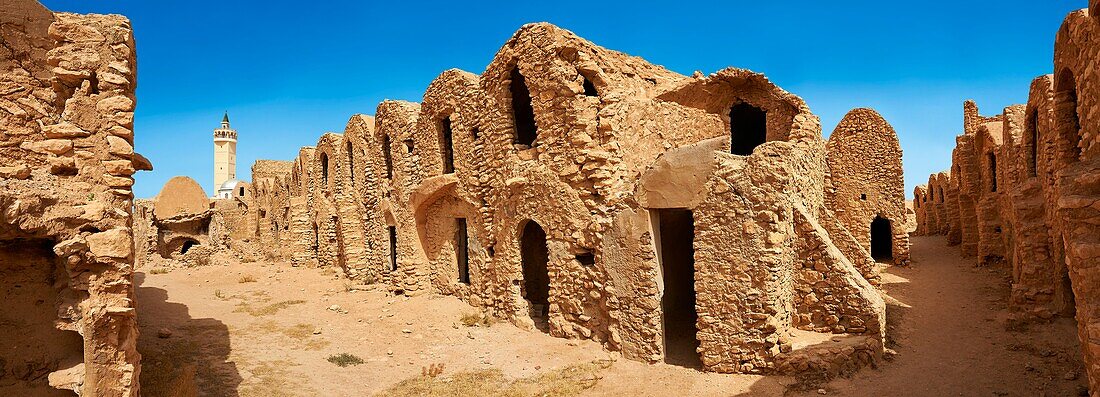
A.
x: 1023, y: 186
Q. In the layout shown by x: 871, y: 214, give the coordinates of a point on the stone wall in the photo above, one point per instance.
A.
x: 1028, y: 181
x: 535, y: 191
x: 66, y: 115
x: 866, y: 183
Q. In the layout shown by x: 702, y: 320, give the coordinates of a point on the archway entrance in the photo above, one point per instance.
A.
x: 536, y: 278
x: 675, y: 246
x: 882, y: 248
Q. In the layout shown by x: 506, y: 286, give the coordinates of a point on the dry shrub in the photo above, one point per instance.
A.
x: 248, y: 278
x: 477, y: 319
x: 345, y: 359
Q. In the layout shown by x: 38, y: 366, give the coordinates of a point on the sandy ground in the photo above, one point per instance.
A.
x: 268, y: 329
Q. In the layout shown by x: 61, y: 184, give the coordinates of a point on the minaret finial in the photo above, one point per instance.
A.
x: 225, y: 119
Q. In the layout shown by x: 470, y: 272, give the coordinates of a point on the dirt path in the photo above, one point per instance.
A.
x: 272, y: 337
x: 947, y: 319
x: 267, y: 330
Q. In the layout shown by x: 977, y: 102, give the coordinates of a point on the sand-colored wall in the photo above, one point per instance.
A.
x: 66, y: 110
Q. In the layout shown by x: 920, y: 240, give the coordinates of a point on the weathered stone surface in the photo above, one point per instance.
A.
x: 114, y: 243
x: 63, y: 219
x: 565, y: 149
x: 15, y: 172
x: 1023, y: 185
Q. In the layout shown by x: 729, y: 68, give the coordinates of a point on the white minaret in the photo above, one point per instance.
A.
x: 225, y: 154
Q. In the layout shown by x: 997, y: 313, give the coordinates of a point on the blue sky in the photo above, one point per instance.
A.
x: 288, y: 72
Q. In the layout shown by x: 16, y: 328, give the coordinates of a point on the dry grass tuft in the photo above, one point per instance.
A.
x: 477, y: 319
x: 158, y: 270
x: 272, y: 379
x: 248, y: 278
x: 432, y: 370
x: 565, y: 382
x: 265, y: 310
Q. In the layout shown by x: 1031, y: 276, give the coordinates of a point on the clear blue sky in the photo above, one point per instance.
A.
x: 288, y: 71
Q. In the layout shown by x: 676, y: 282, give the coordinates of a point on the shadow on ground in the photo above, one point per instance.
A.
x: 193, y: 360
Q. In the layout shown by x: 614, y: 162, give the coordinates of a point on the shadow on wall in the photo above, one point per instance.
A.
x: 193, y: 361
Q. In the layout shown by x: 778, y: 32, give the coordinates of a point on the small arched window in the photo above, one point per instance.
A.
x: 589, y: 88
x: 992, y: 172
x: 351, y: 164
x: 446, y: 144
x: 522, y: 111
x: 387, y: 158
x: 324, y: 169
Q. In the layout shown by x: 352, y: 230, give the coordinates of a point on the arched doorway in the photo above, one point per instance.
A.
x: 536, y: 278
x: 881, y: 239
x: 748, y: 128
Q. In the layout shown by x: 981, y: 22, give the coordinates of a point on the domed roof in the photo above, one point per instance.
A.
x: 229, y: 185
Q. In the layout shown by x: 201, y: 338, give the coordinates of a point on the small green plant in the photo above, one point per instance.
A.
x: 246, y: 279
x: 345, y: 359
x: 91, y: 196
x: 159, y: 270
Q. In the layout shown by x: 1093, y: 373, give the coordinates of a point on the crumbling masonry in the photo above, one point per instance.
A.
x: 66, y: 246
x: 1024, y: 188
x: 589, y: 194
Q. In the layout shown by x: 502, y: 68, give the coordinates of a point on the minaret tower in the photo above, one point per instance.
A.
x: 225, y: 154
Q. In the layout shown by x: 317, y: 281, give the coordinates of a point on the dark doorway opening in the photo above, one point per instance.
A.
x: 882, y: 244
x: 447, y: 142
x: 748, y: 128
x: 677, y: 256
x: 462, y: 251
x: 393, y: 247
x: 187, y: 246
x: 535, y: 257
x: 522, y: 112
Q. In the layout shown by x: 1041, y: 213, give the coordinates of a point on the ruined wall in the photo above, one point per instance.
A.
x: 271, y: 208
x: 1076, y: 117
x: 1041, y: 216
x: 66, y: 108
x: 303, y: 231
x: 920, y: 208
x: 866, y: 181
x: 544, y: 159
x: 176, y: 226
